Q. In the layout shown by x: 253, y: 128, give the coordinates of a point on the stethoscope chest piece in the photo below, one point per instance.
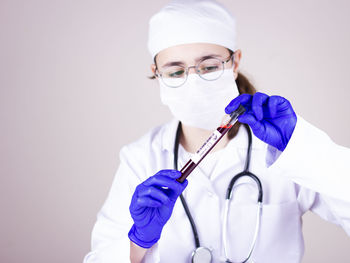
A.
x: 201, y: 255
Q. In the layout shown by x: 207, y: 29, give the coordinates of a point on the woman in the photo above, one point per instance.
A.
x: 196, y: 61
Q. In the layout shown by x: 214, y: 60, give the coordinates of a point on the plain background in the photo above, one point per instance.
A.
x: 74, y: 90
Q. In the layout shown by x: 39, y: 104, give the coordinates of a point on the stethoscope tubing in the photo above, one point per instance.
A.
x: 245, y: 172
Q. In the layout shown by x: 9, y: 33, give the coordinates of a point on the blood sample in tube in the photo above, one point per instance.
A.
x: 215, y: 137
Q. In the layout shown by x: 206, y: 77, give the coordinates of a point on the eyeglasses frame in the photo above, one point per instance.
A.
x: 159, y: 74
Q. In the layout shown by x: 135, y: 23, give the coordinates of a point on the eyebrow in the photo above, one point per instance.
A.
x: 180, y: 63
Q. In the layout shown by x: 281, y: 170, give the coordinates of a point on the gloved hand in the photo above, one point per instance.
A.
x: 272, y: 119
x: 151, y: 206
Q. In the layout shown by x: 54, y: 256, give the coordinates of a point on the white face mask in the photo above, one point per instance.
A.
x: 200, y: 103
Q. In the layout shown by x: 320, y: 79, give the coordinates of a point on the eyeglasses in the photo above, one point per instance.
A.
x: 208, y: 69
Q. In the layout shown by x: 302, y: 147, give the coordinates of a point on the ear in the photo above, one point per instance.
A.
x: 153, y: 69
x: 236, y: 60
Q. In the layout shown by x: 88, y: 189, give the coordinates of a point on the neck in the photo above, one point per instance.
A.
x: 192, y: 139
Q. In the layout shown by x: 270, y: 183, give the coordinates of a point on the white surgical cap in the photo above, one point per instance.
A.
x: 191, y: 21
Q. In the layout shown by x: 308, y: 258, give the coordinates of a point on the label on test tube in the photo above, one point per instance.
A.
x: 207, y: 145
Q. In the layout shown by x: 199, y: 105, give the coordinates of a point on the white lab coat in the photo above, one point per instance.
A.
x: 312, y: 173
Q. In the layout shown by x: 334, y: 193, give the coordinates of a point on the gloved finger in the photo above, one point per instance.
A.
x: 145, y: 201
x: 171, y: 173
x: 243, y: 99
x: 285, y: 106
x: 250, y: 119
x: 162, y: 181
x: 173, y: 195
x: 184, y: 184
x: 273, y: 103
x: 154, y: 193
x: 258, y: 101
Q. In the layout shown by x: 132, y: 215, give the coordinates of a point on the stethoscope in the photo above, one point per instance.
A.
x: 203, y: 254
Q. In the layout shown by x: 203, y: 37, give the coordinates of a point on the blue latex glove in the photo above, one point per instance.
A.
x: 151, y: 206
x: 272, y: 119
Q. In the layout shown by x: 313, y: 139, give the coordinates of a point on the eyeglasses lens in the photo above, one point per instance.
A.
x: 208, y: 69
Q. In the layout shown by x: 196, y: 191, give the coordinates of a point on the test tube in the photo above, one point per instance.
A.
x: 228, y: 121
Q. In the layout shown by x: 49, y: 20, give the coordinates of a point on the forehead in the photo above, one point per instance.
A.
x: 189, y: 54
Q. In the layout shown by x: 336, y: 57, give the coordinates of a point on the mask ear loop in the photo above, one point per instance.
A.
x: 156, y: 73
